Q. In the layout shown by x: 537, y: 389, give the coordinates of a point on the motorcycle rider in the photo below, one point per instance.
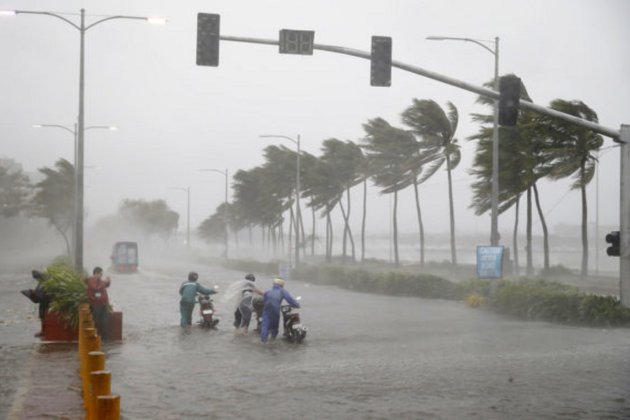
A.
x: 249, y: 293
x: 271, y: 311
x: 188, y: 291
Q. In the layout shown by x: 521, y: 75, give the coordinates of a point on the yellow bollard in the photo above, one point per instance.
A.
x: 96, y: 362
x: 108, y: 407
x: 100, y: 384
x: 92, y: 343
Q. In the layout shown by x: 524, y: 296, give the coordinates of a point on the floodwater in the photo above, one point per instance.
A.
x: 365, y: 356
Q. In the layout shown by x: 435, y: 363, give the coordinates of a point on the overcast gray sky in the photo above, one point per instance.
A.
x: 175, y: 118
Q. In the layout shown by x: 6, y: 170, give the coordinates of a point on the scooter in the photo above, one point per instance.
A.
x: 294, y: 331
x: 258, y: 310
x: 207, y: 312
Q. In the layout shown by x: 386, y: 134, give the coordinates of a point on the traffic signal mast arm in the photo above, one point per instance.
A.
x: 609, y: 132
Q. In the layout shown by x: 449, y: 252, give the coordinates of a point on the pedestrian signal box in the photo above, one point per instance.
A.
x: 613, y: 239
x: 296, y: 42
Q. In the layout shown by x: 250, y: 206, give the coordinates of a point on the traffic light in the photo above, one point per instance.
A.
x: 509, y: 96
x: 296, y: 42
x: 208, y: 26
x: 381, y: 61
x: 613, y: 239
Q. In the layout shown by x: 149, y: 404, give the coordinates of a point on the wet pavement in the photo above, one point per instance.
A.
x: 365, y: 356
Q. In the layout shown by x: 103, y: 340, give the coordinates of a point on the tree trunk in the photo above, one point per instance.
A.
x: 346, y: 230
x: 420, y: 226
x: 313, y: 234
x: 515, y: 235
x: 328, y: 237
x: 363, y: 220
x: 395, y: 227
x: 584, y: 271
x: 544, y: 227
x: 451, y: 210
x: 530, y: 261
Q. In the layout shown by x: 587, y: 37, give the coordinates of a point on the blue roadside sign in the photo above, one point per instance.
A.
x: 489, y: 262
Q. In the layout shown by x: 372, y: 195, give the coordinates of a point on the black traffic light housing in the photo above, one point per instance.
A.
x: 509, y: 96
x: 381, y: 61
x: 208, y: 32
x: 613, y: 239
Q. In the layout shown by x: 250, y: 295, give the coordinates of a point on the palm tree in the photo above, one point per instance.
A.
x: 324, y: 192
x: 54, y: 197
x: 574, y: 154
x: 388, y: 149
x: 344, y: 160
x: 437, y: 145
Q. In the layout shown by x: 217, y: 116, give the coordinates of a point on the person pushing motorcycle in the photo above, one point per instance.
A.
x: 188, y: 292
x: 271, y: 310
x: 243, y: 313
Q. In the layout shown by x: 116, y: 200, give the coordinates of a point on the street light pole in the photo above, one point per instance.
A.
x: 297, y: 193
x: 494, y: 223
x: 226, y: 239
x: 74, y: 133
x: 187, y: 191
x: 82, y: 28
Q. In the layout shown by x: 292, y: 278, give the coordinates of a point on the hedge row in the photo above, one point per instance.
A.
x: 522, y: 298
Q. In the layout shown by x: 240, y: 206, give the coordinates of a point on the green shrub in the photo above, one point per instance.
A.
x: 536, y: 299
x: 67, y: 291
x: 550, y: 301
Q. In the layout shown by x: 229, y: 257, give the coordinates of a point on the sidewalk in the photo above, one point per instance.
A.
x: 49, y: 385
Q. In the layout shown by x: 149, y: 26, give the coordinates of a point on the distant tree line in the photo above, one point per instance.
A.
x: 388, y: 157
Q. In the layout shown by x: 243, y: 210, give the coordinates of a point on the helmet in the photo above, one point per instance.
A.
x: 250, y: 277
x: 278, y: 281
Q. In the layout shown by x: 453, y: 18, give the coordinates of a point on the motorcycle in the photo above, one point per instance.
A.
x: 207, y: 312
x: 293, y: 329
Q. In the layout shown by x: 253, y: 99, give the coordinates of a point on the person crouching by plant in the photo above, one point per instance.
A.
x: 99, y: 301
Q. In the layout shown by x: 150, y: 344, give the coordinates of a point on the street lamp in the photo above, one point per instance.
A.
x: 82, y: 28
x: 297, y: 192
x: 226, y: 220
x: 494, y: 224
x: 187, y: 191
x: 74, y: 136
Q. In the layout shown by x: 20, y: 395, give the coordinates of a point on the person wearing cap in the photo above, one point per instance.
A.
x: 188, y: 292
x: 272, y: 300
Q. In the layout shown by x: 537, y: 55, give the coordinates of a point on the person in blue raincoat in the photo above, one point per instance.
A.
x: 272, y: 300
x: 188, y: 292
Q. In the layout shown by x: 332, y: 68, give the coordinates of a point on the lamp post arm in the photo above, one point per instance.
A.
x: 68, y: 21
x: 91, y: 25
x: 450, y: 38
x: 278, y: 136
x: 73, y: 132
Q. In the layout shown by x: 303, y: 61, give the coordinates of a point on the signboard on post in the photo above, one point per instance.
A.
x: 489, y: 262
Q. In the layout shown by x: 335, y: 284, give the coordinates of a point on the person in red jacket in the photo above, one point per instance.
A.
x: 98, y: 299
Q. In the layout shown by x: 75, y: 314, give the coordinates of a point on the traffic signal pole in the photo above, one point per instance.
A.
x: 620, y: 136
x: 624, y: 213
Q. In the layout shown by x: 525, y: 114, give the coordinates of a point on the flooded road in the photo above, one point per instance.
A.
x: 365, y: 356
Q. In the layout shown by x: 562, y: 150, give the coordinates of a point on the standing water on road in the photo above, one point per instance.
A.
x: 365, y: 356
